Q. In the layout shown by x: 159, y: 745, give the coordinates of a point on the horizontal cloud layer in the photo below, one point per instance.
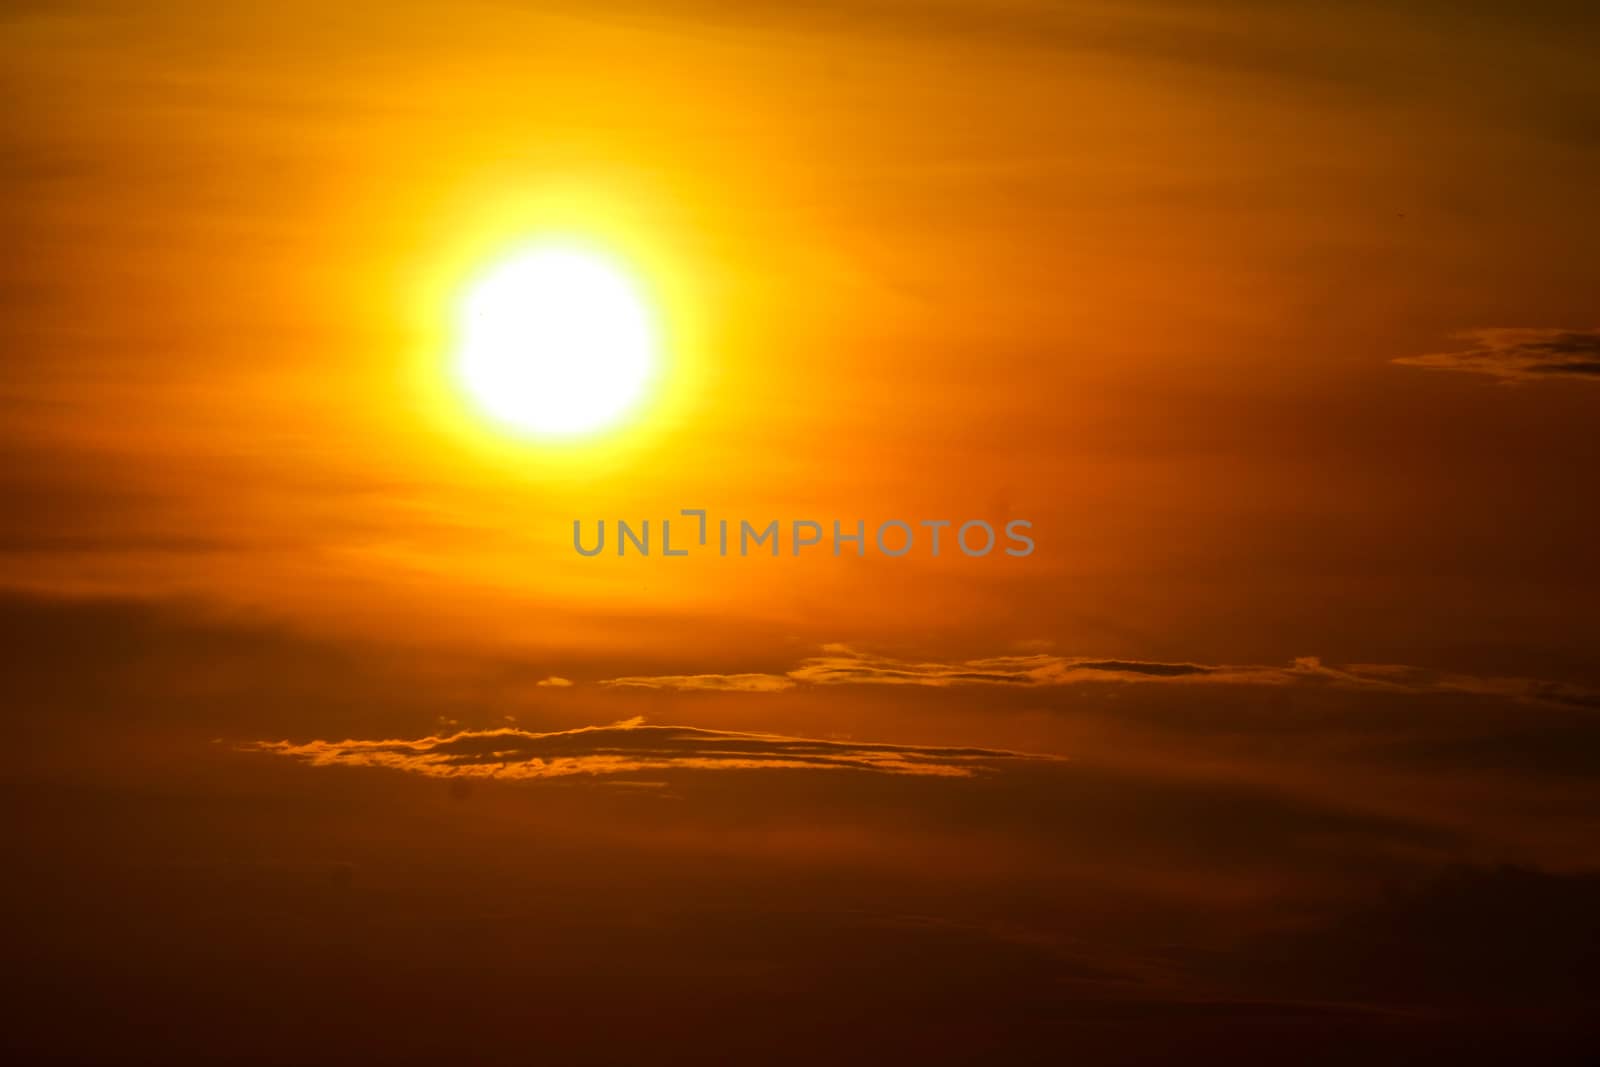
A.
x: 630, y: 746
x: 842, y: 665
x: 1519, y: 354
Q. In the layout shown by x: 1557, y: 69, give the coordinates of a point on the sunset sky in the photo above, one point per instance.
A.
x: 1277, y: 321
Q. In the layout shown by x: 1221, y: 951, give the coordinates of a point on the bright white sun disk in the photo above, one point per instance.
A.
x: 557, y: 340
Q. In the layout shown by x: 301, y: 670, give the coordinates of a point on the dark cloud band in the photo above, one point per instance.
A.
x: 1519, y: 355
x: 842, y: 665
x: 628, y: 747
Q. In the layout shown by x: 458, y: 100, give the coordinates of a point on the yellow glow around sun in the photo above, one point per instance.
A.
x: 557, y: 340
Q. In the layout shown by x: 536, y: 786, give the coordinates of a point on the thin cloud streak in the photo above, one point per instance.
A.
x: 739, y: 683
x: 628, y: 747
x: 1519, y: 355
x: 842, y: 665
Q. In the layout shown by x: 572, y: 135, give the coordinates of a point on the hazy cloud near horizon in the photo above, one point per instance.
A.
x: 1519, y: 355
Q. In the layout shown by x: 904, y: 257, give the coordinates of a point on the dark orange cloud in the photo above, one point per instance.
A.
x: 631, y: 746
x: 842, y: 665
x: 1520, y: 355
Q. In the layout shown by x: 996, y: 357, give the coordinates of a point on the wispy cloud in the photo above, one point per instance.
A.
x: 842, y: 665
x: 1519, y: 355
x: 628, y: 747
x: 742, y: 683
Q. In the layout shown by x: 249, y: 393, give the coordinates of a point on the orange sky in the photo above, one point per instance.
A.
x: 1276, y: 320
x: 1132, y: 274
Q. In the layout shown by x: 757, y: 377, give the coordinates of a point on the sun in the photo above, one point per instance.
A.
x: 557, y: 340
